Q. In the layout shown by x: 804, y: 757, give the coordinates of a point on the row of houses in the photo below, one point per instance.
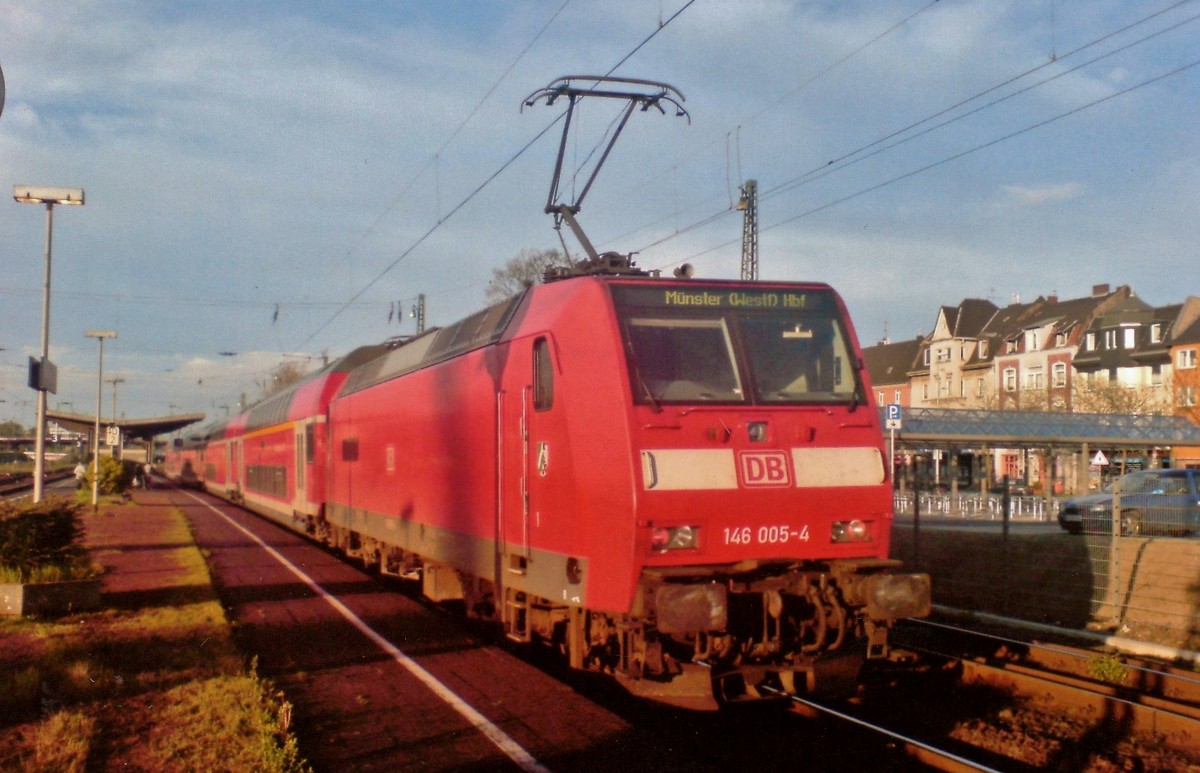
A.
x: 1110, y: 352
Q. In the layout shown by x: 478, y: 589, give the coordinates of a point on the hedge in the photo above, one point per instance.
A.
x: 37, y: 536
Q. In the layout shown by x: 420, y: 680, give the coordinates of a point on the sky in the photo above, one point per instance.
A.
x: 277, y: 182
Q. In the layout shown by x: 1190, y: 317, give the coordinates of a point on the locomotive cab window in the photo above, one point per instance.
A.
x: 798, y: 358
x: 723, y: 345
x: 543, y: 376
x: 683, y: 360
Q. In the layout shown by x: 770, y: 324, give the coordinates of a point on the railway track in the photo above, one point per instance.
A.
x: 15, y: 484
x: 1040, y: 704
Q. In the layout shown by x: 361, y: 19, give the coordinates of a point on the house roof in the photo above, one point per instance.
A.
x: 889, y: 363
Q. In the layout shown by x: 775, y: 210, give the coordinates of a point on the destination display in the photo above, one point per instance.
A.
x: 690, y: 296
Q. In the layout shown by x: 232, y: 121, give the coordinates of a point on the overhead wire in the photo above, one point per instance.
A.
x: 858, y: 154
x: 823, y: 72
x: 433, y: 160
x: 463, y: 202
x: 961, y: 154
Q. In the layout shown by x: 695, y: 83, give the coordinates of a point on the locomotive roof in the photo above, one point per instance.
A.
x: 480, y: 329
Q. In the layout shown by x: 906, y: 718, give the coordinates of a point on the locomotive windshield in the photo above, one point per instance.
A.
x: 735, y: 346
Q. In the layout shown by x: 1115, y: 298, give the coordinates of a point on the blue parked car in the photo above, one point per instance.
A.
x: 1152, y: 502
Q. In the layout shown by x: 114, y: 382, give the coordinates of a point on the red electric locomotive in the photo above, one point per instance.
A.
x: 681, y: 482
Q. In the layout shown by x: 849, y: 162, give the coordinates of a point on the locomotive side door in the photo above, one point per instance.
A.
x: 525, y: 396
x: 514, y: 406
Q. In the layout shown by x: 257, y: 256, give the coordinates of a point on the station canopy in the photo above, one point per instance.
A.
x: 132, y: 429
x: 1041, y: 429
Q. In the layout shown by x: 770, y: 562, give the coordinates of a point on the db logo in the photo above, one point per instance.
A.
x: 764, y: 468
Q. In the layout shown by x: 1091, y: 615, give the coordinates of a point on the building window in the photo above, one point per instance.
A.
x: 983, y: 349
x: 1060, y: 340
x: 1010, y: 379
x: 896, y: 396
x: 1186, y: 359
x: 1130, y: 335
x: 1035, y: 379
x: 879, y: 397
x: 926, y: 356
x: 1058, y: 375
x: 1110, y: 339
x: 1031, y: 340
x: 925, y: 391
x: 979, y: 387
x: 1156, y: 375
x: 1187, y: 396
x: 943, y: 354
x: 1089, y: 342
x: 1156, y: 333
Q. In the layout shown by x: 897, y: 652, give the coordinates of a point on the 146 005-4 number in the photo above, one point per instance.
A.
x: 765, y: 535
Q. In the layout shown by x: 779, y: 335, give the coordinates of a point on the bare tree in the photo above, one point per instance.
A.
x: 522, y: 271
x: 283, y: 376
x: 1113, y: 397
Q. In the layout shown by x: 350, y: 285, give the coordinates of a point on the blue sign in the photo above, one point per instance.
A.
x: 892, y: 416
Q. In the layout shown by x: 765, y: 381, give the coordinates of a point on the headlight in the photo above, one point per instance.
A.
x: 663, y: 539
x: 850, y: 531
x: 1098, y: 509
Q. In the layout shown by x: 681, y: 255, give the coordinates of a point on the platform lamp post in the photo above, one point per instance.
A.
x: 99, y: 335
x: 42, y: 375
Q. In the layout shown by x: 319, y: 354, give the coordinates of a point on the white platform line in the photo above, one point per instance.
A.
x: 502, y: 740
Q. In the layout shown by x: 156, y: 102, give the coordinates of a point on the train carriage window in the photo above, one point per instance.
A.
x: 543, y: 376
x: 683, y: 359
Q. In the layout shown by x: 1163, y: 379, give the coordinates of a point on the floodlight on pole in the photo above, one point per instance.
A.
x: 99, y: 335
x: 43, y: 376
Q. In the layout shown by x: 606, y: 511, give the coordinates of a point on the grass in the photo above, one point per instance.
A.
x: 1108, y: 668
x: 161, y: 687
x: 47, y: 573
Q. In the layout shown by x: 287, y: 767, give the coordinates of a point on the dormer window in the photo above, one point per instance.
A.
x: 1156, y: 333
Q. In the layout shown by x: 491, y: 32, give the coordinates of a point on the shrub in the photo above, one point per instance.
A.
x: 36, y: 537
x: 115, y: 475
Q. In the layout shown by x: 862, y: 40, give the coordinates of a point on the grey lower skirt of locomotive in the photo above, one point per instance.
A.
x: 756, y: 635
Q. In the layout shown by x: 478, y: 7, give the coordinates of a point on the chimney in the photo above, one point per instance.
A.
x: 1052, y: 298
x: 1100, y: 290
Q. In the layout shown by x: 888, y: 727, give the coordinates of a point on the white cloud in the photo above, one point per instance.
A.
x: 1046, y: 194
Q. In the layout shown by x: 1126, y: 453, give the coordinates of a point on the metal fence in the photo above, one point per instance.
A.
x: 1141, y: 585
x: 979, y: 506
